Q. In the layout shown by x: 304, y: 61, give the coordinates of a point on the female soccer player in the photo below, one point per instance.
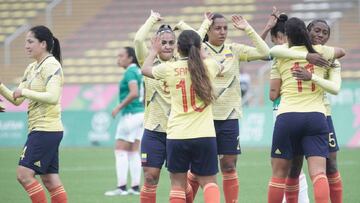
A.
x: 295, y: 131
x: 319, y: 32
x: 157, y: 107
x: 227, y: 106
x: 130, y: 126
x: 332, y: 82
x: 191, y: 137
x: 276, y: 27
x: 42, y: 85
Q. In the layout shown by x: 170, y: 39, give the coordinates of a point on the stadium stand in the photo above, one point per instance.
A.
x: 64, y: 26
x: 13, y: 14
x: 90, y: 43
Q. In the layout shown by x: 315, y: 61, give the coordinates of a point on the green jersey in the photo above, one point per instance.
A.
x: 132, y: 74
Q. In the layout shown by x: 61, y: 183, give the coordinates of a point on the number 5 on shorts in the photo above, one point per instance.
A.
x: 332, y: 141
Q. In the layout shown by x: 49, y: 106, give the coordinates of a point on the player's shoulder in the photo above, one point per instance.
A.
x: 327, y: 51
x: 51, y: 63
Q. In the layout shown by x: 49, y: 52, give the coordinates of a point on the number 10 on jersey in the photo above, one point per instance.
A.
x: 182, y: 85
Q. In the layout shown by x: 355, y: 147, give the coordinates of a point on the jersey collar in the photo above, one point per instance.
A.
x: 214, y: 48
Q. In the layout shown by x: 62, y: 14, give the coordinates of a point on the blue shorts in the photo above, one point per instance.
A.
x: 227, y: 136
x: 333, y: 144
x: 41, y: 152
x: 198, y: 154
x: 153, y: 149
x: 298, y: 134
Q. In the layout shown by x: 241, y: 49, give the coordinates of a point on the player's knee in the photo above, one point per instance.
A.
x: 294, y: 172
x: 228, y: 167
x: 50, y: 185
x: 331, y: 166
x: 151, y: 178
x: 23, y: 178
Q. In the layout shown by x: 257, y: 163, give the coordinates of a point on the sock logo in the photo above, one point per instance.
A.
x: 277, y: 151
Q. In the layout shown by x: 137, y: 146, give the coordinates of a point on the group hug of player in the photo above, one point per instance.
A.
x: 192, y: 110
x: 193, y: 107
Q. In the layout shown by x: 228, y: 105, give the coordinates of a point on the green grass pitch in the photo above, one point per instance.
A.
x: 88, y: 172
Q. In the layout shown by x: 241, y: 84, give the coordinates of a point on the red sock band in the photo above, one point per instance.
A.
x: 231, y: 187
x: 36, y: 192
x: 321, y: 188
x: 276, y: 190
x: 335, y: 186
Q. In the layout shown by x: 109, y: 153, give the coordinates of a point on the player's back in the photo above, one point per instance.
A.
x: 299, y: 95
x: 189, y: 117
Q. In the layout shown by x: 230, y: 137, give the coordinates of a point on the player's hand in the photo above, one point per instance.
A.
x: 176, y: 27
x: 156, y: 44
x: 239, y: 22
x: 156, y: 15
x: 272, y: 19
x: 302, y: 74
x: 17, y: 93
x: 209, y: 16
x: 317, y: 59
x: 115, y: 112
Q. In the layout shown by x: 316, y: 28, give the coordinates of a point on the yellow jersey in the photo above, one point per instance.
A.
x: 189, y: 117
x: 227, y: 85
x: 157, y: 96
x: 330, y: 74
x: 42, y: 84
x: 298, y: 95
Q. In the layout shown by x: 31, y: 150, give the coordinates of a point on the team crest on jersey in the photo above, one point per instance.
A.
x: 228, y: 54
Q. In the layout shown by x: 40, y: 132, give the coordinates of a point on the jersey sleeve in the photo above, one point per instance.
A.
x: 327, y: 52
x: 248, y: 53
x: 274, y: 72
x: 160, y: 71
x: 141, y: 50
x: 8, y: 94
x: 333, y: 83
x: 53, y: 78
x: 204, y: 27
x: 283, y: 51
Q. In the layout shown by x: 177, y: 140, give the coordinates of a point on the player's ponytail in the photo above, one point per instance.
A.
x: 189, y: 44
x: 297, y: 34
x: 279, y: 26
x: 56, y: 50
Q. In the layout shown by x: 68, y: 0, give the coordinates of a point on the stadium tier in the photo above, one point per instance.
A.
x: 90, y: 46
x: 13, y: 14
